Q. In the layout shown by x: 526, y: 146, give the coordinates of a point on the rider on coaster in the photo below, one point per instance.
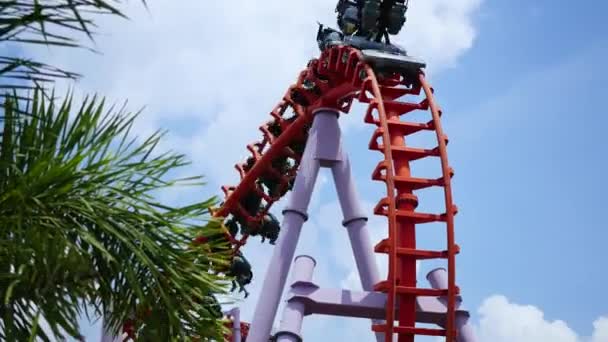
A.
x: 365, y: 23
x: 372, y: 19
x: 366, y: 26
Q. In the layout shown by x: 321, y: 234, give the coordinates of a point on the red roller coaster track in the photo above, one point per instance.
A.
x: 339, y: 76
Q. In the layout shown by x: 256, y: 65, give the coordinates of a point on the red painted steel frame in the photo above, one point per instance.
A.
x: 394, y: 170
x: 334, y: 80
x: 338, y: 77
x: 450, y: 208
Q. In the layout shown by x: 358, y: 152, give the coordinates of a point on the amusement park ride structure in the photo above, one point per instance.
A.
x: 357, y: 63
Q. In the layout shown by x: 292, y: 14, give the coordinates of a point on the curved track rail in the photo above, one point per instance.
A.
x: 339, y: 76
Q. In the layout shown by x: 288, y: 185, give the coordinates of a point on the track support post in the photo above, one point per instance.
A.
x: 323, y: 149
x: 294, y: 312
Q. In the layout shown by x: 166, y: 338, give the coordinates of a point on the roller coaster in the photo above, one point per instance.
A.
x: 338, y: 77
x: 357, y: 63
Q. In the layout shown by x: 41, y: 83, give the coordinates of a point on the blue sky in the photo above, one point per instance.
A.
x: 522, y: 85
x: 529, y: 153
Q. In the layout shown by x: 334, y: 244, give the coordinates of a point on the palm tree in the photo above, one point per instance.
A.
x: 45, y: 22
x: 81, y: 230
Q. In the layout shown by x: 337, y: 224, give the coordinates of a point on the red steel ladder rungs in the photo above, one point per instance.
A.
x: 413, y: 183
x: 401, y: 108
x: 407, y: 215
x: 408, y: 128
x: 384, y: 286
x: 412, y: 153
x: 410, y: 330
x: 419, y: 254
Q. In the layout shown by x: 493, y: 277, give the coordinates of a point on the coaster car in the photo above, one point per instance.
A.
x: 381, y: 56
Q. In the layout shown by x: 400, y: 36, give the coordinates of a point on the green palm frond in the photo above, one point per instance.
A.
x: 81, y: 228
x: 48, y: 21
x: 51, y: 23
x: 14, y: 70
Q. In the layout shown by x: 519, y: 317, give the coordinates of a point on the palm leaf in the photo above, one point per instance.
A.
x: 80, y: 227
x: 51, y: 23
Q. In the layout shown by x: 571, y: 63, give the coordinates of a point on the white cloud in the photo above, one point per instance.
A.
x: 503, y: 321
x: 222, y: 66
x: 440, y: 31
x: 600, y: 330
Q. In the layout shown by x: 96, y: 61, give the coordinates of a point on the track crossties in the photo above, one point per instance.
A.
x: 339, y: 76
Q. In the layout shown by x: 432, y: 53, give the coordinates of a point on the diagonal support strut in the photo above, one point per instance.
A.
x: 323, y: 149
